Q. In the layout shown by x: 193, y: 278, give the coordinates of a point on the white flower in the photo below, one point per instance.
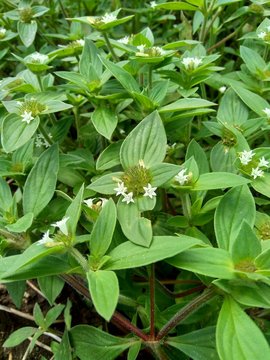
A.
x: 256, y: 172
x: 80, y: 42
x: 89, y: 202
x: 191, y: 62
x: 158, y: 50
x: 128, y: 198
x: 27, y: 117
x: 246, y: 156
x: 263, y: 162
x: 153, y: 4
x: 45, y: 238
x: 181, y: 177
x: 149, y: 191
x: 262, y: 35
x: 124, y: 40
x: 120, y: 189
x: 38, y: 58
x: 222, y: 89
x: 3, y: 31
x: 107, y: 18
x: 267, y: 112
x: 141, y: 48
x: 38, y: 141
x: 62, y: 225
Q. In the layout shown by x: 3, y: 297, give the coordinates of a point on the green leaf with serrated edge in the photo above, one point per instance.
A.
x: 27, y: 32
x: 146, y: 142
x: 248, y: 340
x: 246, y: 245
x: 104, y: 290
x: 197, y: 345
x: 5, y: 195
x: 161, y: 173
x: 53, y: 314
x: 18, y: 336
x: 235, y: 206
x: 102, y: 233
x: 106, y: 183
x: 246, y: 292
x: 262, y: 185
x: 174, y: 5
x: 21, y: 224
x: 162, y: 247
x: 16, y: 291
x: 137, y: 229
x: 213, y: 262
x: 91, y: 343
x: 51, y: 287
x: 253, y: 61
x: 104, y: 121
x: 186, y: 104
x: 73, y: 212
x: 16, y: 133
x: 125, y: 78
x: 30, y: 255
x: 109, y: 157
x: 41, y: 181
x: 252, y: 100
x: 219, y: 180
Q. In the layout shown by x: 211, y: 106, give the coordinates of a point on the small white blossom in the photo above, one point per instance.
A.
x: 159, y: 51
x: 262, y: 35
x: 181, y: 177
x: 89, y: 202
x: 267, y: 112
x: 124, y: 40
x: 120, y: 189
x: 3, y: 31
x: 27, y: 117
x: 107, y: 18
x: 222, y: 89
x: 128, y: 198
x: 45, y: 238
x: 38, y: 141
x: 62, y: 225
x: 38, y: 58
x: 246, y: 156
x: 141, y: 48
x: 153, y: 4
x: 149, y: 191
x: 263, y: 162
x: 80, y: 42
x: 191, y: 62
x: 256, y: 172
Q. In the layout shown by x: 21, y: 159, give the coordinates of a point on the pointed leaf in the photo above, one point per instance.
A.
x: 104, y: 121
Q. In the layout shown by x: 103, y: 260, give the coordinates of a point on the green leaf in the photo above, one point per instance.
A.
x: 235, y: 206
x: 252, y: 100
x: 64, y: 350
x: 16, y: 291
x: 186, y: 104
x: 106, y: 183
x: 129, y: 255
x: 38, y: 316
x: 91, y: 343
x: 104, y: 290
x: 126, y: 80
x: 262, y: 185
x: 22, y: 224
x: 109, y: 157
x: 27, y: 32
x: 253, y: 60
x: 16, y: 133
x: 176, y: 5
x: 18, y: 336
x: 53, y: 314
x: 134, y: 350
x: 161, y: 173
x: 146, y: 142
x: 5, y: 195
x: 102, y: 233
x: 74, y: 211
x: 90, y: 56
x: 51, y: 287
x: 41, y: 181
x: 198, y: 345
x: 248, y: 341
x: 219, y: 180
x: 104, y: 121
x: 196, y: 151
x: 208, y: 261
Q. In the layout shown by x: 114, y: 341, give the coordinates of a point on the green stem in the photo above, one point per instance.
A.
x: 110, y: 48
x: 186, y: 205
x: 77, y: 122
x: 80, y: 258
x: 152, y: 301
x: 194, y: 305
x: 44, y: 133
x: 150, y: 77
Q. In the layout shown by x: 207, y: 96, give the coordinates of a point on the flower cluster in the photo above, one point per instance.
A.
x: 121, y: 189
x: 191, y: 63
x: 29, y: 109
x: 41, y: 141
x: 37, y: 58
x: 154, y: 51
x: 97, y: 204
x: 47, y: 240
x: 245, y: 158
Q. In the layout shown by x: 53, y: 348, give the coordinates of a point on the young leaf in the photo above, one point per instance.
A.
x: 104, y: 121
x: 51, y: 287
x: 146, y: 142
x: 104, y: 290
x: 18, y: 336
x: 21, y: 224
x: 101, y: 235
x: 16, y: 291
x: 53, y: 314
x: 38, y: 316
x: 248, y: 341
x: 74, y: 211
x: 41, y: 181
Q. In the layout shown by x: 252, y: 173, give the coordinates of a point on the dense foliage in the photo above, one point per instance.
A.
x: 134, y: 166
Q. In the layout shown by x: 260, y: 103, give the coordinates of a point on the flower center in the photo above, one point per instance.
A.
x: 26, y: 14
x: 135, y: 178
x: 32, y: 106
x: 246, y: 266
